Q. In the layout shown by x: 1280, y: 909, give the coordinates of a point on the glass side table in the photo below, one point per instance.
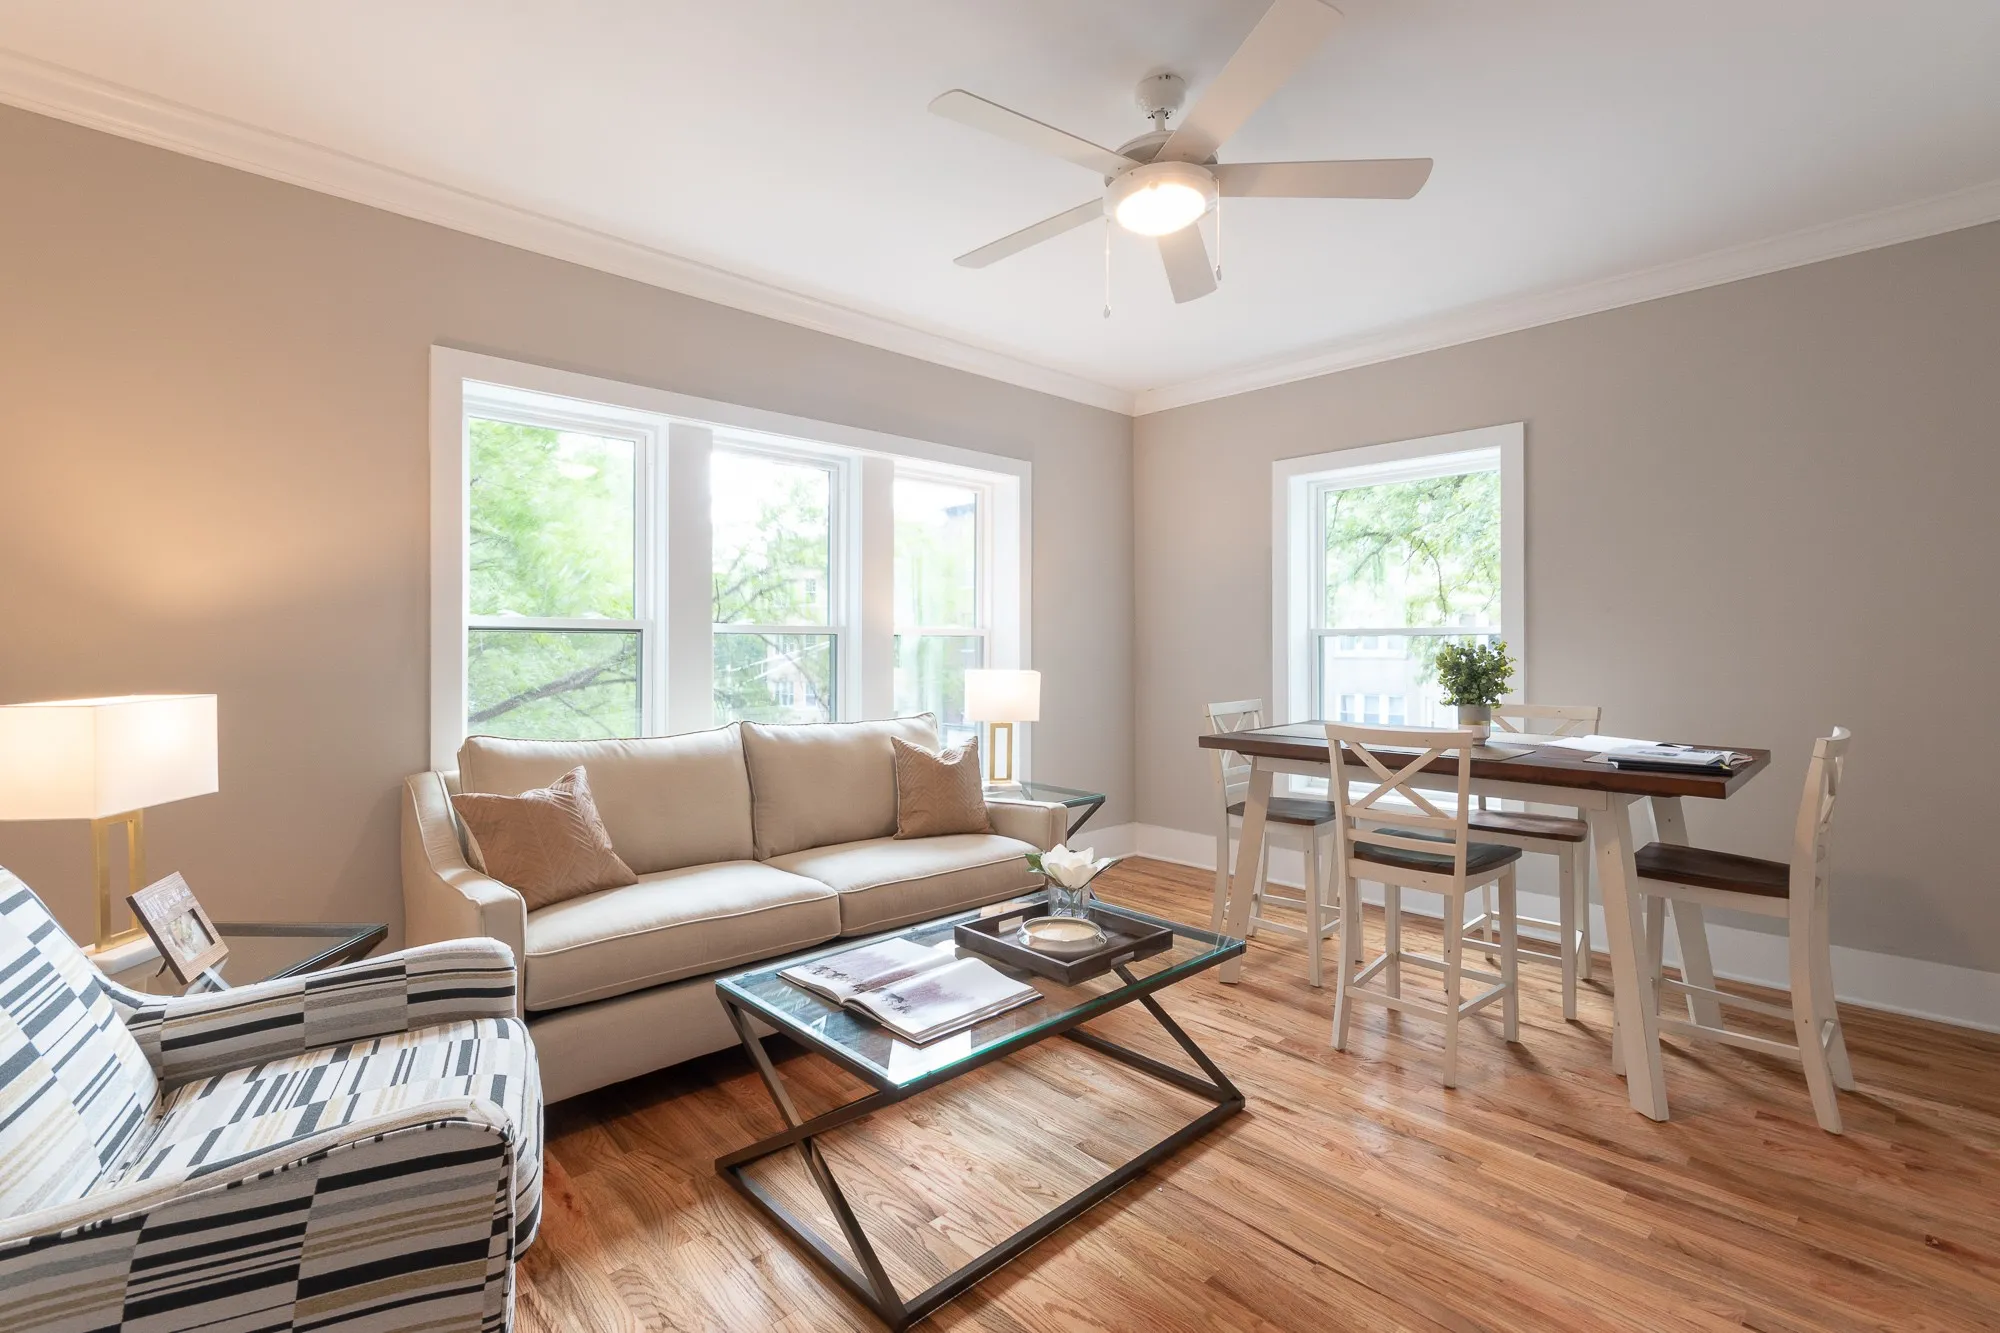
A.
x: 260, y: 951
x: 1089, y: 802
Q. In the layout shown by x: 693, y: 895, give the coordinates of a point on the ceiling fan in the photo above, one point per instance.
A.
x: 1163, y: 182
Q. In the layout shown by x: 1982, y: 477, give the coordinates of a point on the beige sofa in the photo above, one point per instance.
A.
x: 749, y: 842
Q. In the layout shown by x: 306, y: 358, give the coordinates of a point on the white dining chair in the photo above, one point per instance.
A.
x: 1301, y: 822
x: 1794, y: 892
x: 1395, y: 835
x: 1564, y: 837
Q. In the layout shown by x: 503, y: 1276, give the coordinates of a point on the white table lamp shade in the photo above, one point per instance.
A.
x: 1003, y: 696
x: 89, y: 758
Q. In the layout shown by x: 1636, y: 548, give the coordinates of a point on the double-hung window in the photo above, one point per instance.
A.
x: 778, y: 584
x: 1387, y: 553
x: 940, y: 597
x: 557, y: 636
x: 614, y: 560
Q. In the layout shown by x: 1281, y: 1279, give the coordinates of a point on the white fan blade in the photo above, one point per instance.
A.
x: 1188, y: 271
x: 966, y: 109
x: 1377, y: 178
x: 1035, y: 235
x: 1282, y: 41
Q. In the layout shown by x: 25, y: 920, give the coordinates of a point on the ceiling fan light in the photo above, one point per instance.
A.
x: 1160, y: 198
x: 1160, y: 208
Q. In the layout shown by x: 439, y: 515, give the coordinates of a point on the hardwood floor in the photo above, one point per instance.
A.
x: 1353, y: 1193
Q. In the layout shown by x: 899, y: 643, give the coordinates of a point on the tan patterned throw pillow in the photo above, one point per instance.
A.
x: 548, y: 843
x: 938, y: 793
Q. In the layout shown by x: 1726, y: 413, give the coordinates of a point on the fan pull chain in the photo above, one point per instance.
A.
x: 1218, y: 240
x: 1107, y: 267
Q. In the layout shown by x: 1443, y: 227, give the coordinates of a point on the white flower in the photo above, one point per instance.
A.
x: 1071, y: 869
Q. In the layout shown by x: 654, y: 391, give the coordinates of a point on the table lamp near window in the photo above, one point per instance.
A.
x: 106, y: 760
x: 1000, y: 699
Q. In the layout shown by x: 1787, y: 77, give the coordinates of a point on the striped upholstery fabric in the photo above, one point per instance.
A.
x: 435, y: 984
x: 74, y: 1086
x: 359, y: 1149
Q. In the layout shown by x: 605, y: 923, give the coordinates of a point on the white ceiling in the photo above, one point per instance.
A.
x: 1577, y: 141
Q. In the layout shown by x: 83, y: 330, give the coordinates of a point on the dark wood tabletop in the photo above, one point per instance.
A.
x: 1542, y: 765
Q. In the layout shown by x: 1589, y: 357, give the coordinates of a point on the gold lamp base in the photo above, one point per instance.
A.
x: 1000, y: 755
x: 115, y: 923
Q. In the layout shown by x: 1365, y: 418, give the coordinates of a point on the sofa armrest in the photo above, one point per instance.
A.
x: 415, y: 1206
x: 198, y: 1036
x: 1041, y: 824
x: 444, y: 898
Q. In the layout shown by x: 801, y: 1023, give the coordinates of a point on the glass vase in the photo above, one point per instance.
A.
x: 1069, y: 902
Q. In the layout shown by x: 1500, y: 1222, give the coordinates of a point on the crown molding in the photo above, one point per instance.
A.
x: 66, y: 94
x: 1867, y: 231
x: 69, y: 95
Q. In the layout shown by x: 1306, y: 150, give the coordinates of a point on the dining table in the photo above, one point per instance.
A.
x: 1542, y: 771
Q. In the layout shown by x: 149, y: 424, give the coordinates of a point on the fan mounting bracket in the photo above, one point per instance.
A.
x: 1159, y: 96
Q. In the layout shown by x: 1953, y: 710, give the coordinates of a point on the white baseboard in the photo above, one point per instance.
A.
x: 1960, y: 996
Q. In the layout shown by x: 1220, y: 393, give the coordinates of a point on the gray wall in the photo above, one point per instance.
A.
x: 1754, y: 511
x: 213, y: 477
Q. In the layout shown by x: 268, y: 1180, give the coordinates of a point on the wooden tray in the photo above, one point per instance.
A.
x: 1126, y: 938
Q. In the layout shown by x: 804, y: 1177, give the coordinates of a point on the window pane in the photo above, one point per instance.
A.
x: 937, y: 554
x: 552, y: 684
x: 551, y: 522
x: 772, y: 562
x: 930, y: 678
x: 1393, y: 683
x: 773, y: 677
x: 1414, y: 552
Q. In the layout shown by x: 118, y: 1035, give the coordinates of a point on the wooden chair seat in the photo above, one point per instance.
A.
x: 1714, y: 870
x: 1479, y: 856
x: 1294, y: 810
x: 1555, y: 828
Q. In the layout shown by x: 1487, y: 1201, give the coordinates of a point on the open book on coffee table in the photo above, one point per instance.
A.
x: 918, y: 993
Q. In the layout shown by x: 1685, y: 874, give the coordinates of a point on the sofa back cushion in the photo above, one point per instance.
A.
x: 818, y: 784
x: 666, y: 801
x: 75, y: 1089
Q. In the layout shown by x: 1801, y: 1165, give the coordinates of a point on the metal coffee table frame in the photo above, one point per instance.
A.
x: 870, y: 1283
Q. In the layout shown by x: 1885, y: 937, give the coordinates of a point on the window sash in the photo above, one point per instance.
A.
x: 648, y: 585
x: 1360, y: 478
x: 983, y: 552
x: 839, y: 595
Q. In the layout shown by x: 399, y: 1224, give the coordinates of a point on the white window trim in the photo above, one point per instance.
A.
x: 679, y: 693
x: 1296, y: 576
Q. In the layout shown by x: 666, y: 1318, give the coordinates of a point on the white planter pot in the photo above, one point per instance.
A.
x: 1476, y: 718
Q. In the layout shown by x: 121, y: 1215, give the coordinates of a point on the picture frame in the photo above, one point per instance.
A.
x: 188, y: 941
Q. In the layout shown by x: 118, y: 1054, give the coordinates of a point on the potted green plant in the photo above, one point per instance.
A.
x: 1475, y: 676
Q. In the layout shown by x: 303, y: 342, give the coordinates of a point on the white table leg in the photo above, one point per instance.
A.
x: 1670, y: 825
x: 1256, y: 804
x: 1637, y: 1030
x: 1221, y: 904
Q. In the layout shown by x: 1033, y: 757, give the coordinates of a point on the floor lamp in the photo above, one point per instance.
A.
x: 106, y: 760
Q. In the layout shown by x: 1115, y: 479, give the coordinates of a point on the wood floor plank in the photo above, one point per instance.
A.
x: 1354, y: 1192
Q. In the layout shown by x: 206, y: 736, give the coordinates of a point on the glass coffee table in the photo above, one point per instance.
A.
x: 898, y: 1070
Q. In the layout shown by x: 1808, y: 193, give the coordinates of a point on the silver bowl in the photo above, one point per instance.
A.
x: 1043, y: 945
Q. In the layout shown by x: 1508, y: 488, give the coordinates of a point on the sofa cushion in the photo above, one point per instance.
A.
x: 884, y: 882
x: 548, y: 844
x: 666, y: 801
x: 674, y: 924
x: 938, y: 793
x: 819, y: 784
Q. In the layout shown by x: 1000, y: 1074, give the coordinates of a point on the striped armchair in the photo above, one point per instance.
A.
x: 355, y: 1149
